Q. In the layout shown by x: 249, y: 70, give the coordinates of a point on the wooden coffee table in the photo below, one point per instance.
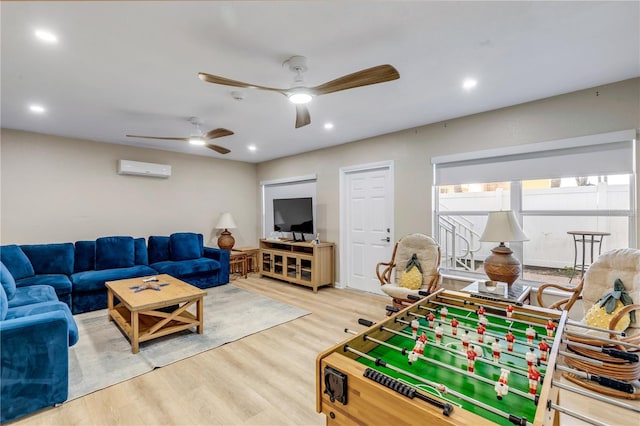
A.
x: 139, y: 314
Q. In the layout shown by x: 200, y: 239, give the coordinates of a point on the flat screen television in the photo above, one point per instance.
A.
x: 293, y: 215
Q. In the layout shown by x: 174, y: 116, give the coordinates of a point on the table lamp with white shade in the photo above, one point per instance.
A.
x: 226, y: 240
x: 501, y: 265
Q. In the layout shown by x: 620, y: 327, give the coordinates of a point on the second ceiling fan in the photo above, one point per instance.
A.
x: 198, y: 137
x: 300, y: 94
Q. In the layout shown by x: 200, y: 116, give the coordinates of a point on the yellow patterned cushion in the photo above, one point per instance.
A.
x: 411, y: 279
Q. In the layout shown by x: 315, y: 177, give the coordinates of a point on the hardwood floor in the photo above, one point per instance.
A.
x: 264, y: 379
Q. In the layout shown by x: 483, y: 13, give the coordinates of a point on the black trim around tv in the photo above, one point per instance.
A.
x: 293, y: 215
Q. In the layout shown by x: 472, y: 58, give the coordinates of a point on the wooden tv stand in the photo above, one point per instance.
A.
x: 304, y: 263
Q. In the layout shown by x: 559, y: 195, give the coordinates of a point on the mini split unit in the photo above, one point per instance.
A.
x: 138, y: 168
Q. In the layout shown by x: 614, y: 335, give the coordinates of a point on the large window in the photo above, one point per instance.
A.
x: 585, y: 184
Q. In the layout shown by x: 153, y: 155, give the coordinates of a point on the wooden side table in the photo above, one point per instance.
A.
x: 252, y: 257
x: 238, y: 263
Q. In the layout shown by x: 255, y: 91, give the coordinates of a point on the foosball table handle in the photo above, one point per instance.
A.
x: 365, y: 322
x: 405, y: 390
x: 627, y: 356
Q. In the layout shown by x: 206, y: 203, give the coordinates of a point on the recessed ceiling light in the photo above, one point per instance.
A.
x: 46, y: 36
x: 328, y: 126
x: 37, y: 109
x: 469, y: 83
x: 252, y: 148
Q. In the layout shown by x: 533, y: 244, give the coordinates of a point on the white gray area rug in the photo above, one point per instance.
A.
x: 102, y: 357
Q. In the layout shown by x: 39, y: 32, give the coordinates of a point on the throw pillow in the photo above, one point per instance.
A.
x: 186, y: 246
x: 16, y: 262
x: 412, y: 276
x: 8, y: 283
x: 603, y: 311
x: 114, y: 252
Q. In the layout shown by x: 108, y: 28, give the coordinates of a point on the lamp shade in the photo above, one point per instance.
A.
x: 226, y: 222
x: 503, y: 226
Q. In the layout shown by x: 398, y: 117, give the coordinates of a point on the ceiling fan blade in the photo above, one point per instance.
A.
x: 302, y: 116
x: 158, y: 137
x: 228, y: 82
x: 219, y: 149
x: 372, y: 75
x: 217, y: 133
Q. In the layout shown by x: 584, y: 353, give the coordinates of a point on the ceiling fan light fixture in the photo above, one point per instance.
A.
x: 300, y: 97
x: 196, y: 141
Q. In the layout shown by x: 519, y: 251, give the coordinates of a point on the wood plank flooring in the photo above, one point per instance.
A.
x: 264, y: 379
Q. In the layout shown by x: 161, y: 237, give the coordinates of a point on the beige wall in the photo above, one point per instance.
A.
x: 57, y: 189
x: 602, y: 109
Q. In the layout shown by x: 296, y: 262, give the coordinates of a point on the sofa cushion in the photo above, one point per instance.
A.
x: 186, y: 267
x: 60, y: 283
x: 140, y: 248
x: 85, y: 257
x: 185, y: 246
x: 114, y: 252
x: 16, y: 261
x: 50, y: 258
x: 33, y: 294
x: 8, y: 283
x: 158, y: 249
x: 94, y: 280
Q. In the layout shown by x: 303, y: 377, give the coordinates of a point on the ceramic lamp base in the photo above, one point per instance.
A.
x: 226, y: 240
x: 501, y: 265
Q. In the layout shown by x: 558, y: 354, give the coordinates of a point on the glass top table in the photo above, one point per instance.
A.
x: 517, y: 294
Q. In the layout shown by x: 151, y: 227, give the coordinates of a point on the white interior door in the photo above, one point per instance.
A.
x: 367, y: 221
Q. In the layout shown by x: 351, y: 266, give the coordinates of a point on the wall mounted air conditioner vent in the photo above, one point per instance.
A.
x: 138, y: 168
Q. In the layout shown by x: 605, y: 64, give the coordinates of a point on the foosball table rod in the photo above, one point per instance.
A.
x: 443, y: 365
x: 590, y: 327
x: 482, y: 345
x: 602, y: 339
x: 466, y: 302
x: 616, y: 384
x: 513, y: 419
x: 488, y: 333
x: 627, y: 356
x: 595, y: 396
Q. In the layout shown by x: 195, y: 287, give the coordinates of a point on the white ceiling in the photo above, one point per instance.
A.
x: 132, y: 67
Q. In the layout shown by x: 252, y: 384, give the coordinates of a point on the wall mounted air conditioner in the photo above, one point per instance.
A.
x: 138, y: 168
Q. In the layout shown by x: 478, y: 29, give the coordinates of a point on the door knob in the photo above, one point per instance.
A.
x: 388, y: 239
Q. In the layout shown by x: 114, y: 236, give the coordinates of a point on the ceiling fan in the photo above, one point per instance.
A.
x: 300, y: 94
x: 197, y: 137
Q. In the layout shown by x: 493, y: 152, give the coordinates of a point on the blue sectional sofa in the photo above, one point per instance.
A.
x: 78, y: 272
x: 36, y: 330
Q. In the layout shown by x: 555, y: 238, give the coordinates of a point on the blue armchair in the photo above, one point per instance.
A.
x: 34, y: 349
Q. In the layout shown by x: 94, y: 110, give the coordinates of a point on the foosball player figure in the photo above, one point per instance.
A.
x: 502, y: 385
x: 510, y: 338
x: 471, y: 358
x: 431, y: 318
x: 465, y: 340
x: 454, y: 326
x: 414, y: 327
x: 481, y: 311
x: 544, y: 349
x: 496, y: 348
x: 439, y: 331
x: 423, y: 338
x: 531, y: 357
x: 531, y: 333
x: 550, y: 328
x: 418, y: 349
x: 443, y: 313
x: 480, y: 330
x: 509, y: 310
x: 534, y: 377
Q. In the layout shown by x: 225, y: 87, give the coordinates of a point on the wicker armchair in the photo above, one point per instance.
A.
x: 598, y: 281
x: 428, y: 253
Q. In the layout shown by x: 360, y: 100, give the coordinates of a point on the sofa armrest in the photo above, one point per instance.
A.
x: 35, y: 363
x: 220, y: 255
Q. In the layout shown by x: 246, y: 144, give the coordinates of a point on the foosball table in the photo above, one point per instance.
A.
x: 449, y: 358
